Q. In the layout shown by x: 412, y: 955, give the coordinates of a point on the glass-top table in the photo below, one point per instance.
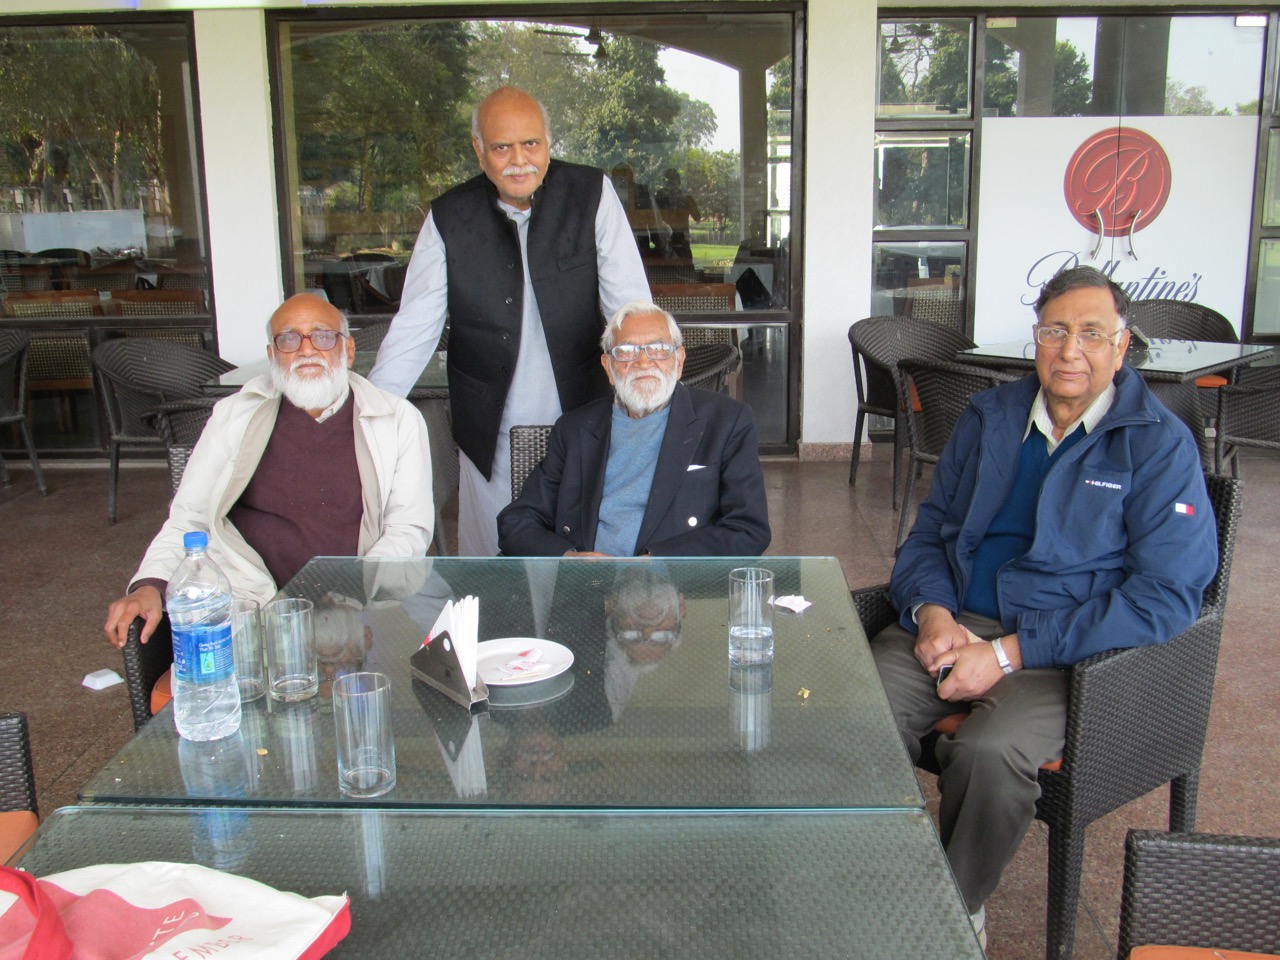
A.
x: 1172, y: 361
x: 861, y: 885
x: 665, y: 727
x: 432, y: 383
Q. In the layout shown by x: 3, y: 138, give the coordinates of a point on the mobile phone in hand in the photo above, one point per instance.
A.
x: 943, y: 672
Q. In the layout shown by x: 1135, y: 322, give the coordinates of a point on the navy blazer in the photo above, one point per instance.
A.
x: 707, y: 497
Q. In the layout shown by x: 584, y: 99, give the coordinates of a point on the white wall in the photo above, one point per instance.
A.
x: 840, y: 126
x: 235, y: 120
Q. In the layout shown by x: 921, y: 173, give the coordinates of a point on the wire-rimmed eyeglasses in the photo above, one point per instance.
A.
x: 629, y: 352
x: 1090, y: 341
x: 291, y: 341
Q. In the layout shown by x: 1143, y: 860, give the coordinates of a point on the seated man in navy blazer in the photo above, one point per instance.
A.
x: 661, y: 469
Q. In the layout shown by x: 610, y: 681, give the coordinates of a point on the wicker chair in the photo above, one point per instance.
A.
x: 936, y: 394
x: 19, y: 814
x: 13, y: 397
x: 1200, y: 890
x: 144, y: 665
x: 1248, y: 416
x: 695, y: 297
x: 1136, y: 720
x: 528, y: 447
x: 1181, y: 320
x: 879, y: 344
x: 53, y: 304
x: 709, y: 366
x: 160, y: 303
x: 369, y: 337
x: 180, y: 423
x: 138, y: 374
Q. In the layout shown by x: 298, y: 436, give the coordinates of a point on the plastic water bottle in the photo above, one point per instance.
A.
x: 206, y: 698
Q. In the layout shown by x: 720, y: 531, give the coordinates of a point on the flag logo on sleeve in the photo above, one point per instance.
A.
x: 1186, y: 508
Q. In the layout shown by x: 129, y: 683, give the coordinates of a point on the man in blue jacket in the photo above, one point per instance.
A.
x: 660, y: 469
x: 1068, y: 516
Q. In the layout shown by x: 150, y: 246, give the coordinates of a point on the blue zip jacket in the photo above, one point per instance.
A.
x: 1125, y: 538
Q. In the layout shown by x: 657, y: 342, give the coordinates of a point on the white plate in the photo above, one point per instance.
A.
x: 493, y: 655
x: 531, y: 694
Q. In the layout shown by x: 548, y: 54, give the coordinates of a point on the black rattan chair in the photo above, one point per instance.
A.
x: 1136, y: 720
x: 144, y: 665
x: 1181, y: 320
x: 936, y: 394
x: 1200, y: 890
x: 528, y: 447
x: 879, y: 344
x: 139, y: 374
x: 17, y: 784
x: 707, y: 367
x: 1249, y: 416
x: 13, y: 397
x: 180, y: 423
x: 370, y: 336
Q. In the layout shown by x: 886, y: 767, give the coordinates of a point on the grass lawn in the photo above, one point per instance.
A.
x: 718, y: 254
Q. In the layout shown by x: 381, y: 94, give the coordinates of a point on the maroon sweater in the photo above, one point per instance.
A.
x: 305, y: 498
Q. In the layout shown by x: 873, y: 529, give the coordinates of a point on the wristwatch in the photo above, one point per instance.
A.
x: 1002, y: 658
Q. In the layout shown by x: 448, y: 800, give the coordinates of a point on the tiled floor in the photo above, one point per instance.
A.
x: 61, y: 562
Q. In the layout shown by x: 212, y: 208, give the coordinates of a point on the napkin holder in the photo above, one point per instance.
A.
x: 436, y: 663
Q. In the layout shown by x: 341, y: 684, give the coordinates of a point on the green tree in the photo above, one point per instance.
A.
x: 79, y: 107
x: 1072, y: 88
x: 1183, y: 101
x: 714, y: 179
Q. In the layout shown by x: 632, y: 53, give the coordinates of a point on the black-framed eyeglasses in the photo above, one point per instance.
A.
x: 629, y: 352
x: 291, y: 341
x: 1091, y: 341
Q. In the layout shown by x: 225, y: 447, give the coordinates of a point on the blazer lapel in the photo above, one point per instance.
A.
x: 679, y: 444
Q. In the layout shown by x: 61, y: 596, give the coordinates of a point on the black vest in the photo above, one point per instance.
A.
x: 486, y: 287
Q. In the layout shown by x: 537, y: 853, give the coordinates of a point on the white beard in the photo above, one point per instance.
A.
x: 644, y: 400
x: 311, y: 393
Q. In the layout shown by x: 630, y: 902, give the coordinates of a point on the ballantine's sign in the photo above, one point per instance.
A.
x: 1164, y: 210
x: 1157, y: 284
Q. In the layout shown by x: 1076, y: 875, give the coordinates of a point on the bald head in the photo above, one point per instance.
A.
x: 510, y: 138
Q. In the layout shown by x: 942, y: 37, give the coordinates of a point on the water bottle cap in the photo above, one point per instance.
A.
x: 196, y: 540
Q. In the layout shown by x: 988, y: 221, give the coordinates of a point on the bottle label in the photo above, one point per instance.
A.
x: 202, y: 654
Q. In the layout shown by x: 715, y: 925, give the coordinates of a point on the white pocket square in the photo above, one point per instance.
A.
x: 696, y: 466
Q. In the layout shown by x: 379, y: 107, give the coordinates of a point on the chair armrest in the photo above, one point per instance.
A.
x: 1137, y: 717
x: 1200, y: 890
x: 17, y: 778
x: 874, y: 609
x: 144, y: 664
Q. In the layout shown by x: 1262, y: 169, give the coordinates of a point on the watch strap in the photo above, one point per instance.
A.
x: 1002, y: 658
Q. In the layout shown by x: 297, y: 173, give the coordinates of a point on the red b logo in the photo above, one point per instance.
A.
x: 1121, y: 176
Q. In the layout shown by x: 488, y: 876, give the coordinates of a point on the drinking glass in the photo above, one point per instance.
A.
x: 366, y: 747
x: 750, y: 615
x: 293, y: 673
x: 246, y: 648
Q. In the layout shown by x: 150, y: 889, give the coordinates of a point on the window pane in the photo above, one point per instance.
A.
x: 1136, y: 66
x: 690, y: 116
x: 1266, y: 304
x: 922, y: 179
x: 925, y: 68
x: 925, y: 280
x: 101, y: 217
x: 1271, y: 188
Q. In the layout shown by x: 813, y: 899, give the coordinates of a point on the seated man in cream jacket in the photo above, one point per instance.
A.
x: 312, y: 460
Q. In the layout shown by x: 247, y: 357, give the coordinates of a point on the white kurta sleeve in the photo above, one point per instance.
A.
x: 618, y: 265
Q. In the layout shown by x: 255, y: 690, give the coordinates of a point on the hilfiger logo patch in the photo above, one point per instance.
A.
x: 1186, y: 508
x: 1105, y: 484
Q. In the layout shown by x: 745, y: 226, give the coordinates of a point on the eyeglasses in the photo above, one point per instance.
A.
x: 291, y: 341
x: 629, y: 352
x: 665, y: 637
x: 1091, y: 341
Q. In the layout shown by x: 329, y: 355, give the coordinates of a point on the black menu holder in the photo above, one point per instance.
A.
x: 436, y: 663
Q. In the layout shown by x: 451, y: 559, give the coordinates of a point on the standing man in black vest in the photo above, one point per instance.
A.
x: 521, y: 258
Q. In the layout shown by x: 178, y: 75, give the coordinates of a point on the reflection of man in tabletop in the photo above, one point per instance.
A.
x: 643, y: 617
x: 1068, y: 516
x: 663, y: 469
x: 521, y: 258
x: 311, y: 460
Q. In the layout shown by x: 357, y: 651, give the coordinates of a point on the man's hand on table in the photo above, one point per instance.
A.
x: 144, y: 602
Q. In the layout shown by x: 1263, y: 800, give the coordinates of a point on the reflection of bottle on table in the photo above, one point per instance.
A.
x: 216, y: 769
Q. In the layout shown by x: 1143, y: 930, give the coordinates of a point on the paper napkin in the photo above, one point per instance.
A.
x: 461, y: 620
x: 793, y: 603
